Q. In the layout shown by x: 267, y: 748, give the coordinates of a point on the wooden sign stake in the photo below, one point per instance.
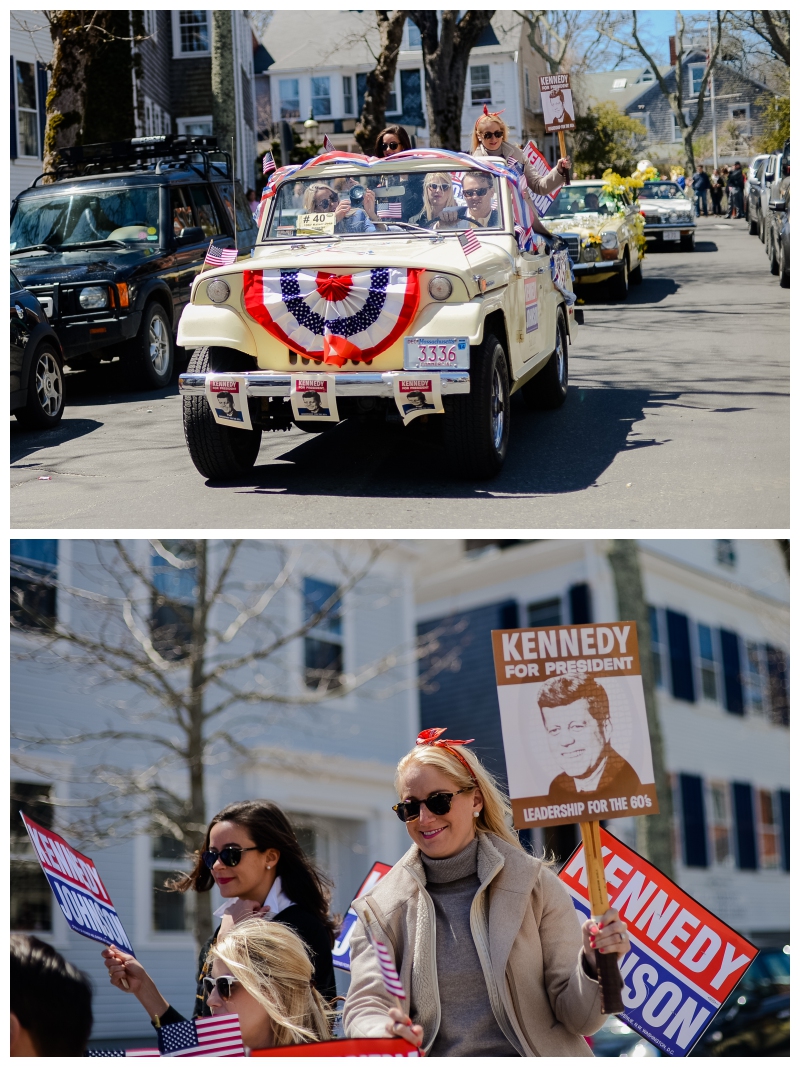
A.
x: 607, y: 966
x: 562, y: 147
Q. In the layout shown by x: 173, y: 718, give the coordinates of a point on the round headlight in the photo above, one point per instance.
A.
x: 440, y: 288
x: 609, y: 240
x: 93, y: 297
x: 218, y: 290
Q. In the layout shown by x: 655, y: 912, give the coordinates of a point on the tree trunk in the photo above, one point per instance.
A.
x: 203, y: 919
x: 71, y: 34
x: 380, y: 80
x: 653, y: 832
x: 108, y: 111
x: 445, y: 56
x: 223, y: 88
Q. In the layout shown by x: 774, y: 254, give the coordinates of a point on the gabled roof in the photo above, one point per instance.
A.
x: 620, y: 87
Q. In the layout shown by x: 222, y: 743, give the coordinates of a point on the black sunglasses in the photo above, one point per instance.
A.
x: 437, y: 804
x: 223, y: 985
x: 493, y: 134
x: 391, y: 145
x: 327, y: 201
x: 230, y: 855
x: 475, y: 192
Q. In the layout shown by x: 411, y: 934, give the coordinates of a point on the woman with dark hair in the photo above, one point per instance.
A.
x: 390, y: 141
x: 252, y: 854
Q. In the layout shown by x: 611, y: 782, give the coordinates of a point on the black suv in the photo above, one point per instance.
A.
x: 111, y: 247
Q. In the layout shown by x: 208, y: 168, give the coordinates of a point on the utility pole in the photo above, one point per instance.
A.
x: 713, y: 103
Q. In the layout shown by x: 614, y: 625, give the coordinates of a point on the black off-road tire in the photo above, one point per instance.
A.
x: 620, y: 283
x: 219, y: 453
x: 762, y: 229
x: 773, y: 255
x: 45, y: 403
x: 636, y: 277
x: 148, y: 359
x: 476, y: 427
x: 548, y: 389
x: 687, y: 243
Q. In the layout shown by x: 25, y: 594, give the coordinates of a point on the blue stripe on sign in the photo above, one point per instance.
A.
x: 341, y: 950
x: 85, y: 915
x: 664, y: 1007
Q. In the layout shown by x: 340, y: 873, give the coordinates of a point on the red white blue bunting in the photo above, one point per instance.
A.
x: 334, y: 317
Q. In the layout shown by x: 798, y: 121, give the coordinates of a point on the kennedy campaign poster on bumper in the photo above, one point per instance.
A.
x: 574, y: 723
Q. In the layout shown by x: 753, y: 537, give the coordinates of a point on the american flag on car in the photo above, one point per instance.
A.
x: 220, y: 257
x: 390, y: 211
x: 469, y: 242
x: 267, y: 163
x: 218, y: 1035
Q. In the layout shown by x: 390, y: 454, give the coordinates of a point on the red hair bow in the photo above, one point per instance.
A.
x: 431, y: 737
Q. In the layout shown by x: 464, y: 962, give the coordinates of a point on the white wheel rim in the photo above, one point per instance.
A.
x: 159, y: 344
x: 49, y: 386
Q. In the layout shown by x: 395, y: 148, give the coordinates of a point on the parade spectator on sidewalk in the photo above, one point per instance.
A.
x: 252, y: 853
x: 467, y: 869
x: 51, y: 1001
x: 717, y: 189
x: 735, y: 192
x: 700, y: 186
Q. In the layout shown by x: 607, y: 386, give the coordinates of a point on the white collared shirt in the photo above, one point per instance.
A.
x: 276, y: 902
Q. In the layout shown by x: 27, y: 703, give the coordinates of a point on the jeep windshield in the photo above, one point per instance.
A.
x: 80, y: 219
x: 351, y: 204
x: 582, y: 200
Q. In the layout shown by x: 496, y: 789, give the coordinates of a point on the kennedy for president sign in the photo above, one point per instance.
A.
x: 77, y: 887
x: 683, y: 961
x: 574, y: 723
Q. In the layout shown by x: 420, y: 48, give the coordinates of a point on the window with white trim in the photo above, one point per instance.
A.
x: 695, y: 72
x: 393, y: 98
x: 321, y: 96
x: 720, y: 824
x: 768, y: 829
x: 170, y: 911
x: 676, y: 130
x: 545, y: 613
x: 289, y: 95
x: 740, y: 114
x: 27, y: 113
x: 644, y: 118
x: 31, y: 899
x: 756, y: 681
x: 480, y: 83
x: 707, y: 662
x: 174, y: 591
x: 658, y: 647
x: 414, y: 36
x: 191, y: 32
x: 196, y: 125
x: 323, y: 645
x: 34, y: 570
x: 347, y: 93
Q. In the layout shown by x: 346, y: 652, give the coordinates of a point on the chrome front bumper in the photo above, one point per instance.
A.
x: 359, y: 383
x: 598, y: 266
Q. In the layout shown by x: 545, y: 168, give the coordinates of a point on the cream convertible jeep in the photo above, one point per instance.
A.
x: 368, y: 279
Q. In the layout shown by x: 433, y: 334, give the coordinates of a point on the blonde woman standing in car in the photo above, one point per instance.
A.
x: 485, y: 938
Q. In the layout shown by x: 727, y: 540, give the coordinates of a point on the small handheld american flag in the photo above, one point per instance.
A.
x: 469, y: 242
x: 218, y: 1035
x: 391, y: 979
x: 267, y: 163
x: 327, y: 144
x: 122, y: 1052
x: 390, y: 211
x: 220, y: 257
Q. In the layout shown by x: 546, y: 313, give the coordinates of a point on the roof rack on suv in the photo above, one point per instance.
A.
x: 140, y: 153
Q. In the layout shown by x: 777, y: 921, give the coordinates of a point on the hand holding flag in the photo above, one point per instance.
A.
x: 391, y: 979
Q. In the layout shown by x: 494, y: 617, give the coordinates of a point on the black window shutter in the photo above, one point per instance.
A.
x: 41, y: 77
x: 13, y: 115
x: 695, y: 852
x: 680, y: 656
x: 509, y: 615
x: 731, y: 668
x: 361, y: 91
x: 783, y: 800
x: 745, y: 827
x: 580, y: 603
x: 778, y: 692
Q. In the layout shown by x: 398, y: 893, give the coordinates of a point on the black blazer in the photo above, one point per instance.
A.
x: 305, y: 925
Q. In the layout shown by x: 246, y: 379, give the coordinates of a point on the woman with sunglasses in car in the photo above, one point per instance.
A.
x: 390, y: 142
x: 252, y: 854
x: 485, y: 938
x: 346, y: 216
x: 490, y: 138
x: 440, y: 203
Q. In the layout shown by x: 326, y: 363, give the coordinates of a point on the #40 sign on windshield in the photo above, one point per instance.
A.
x: 683, y: 961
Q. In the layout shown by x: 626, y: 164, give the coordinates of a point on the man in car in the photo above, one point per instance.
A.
x: 477, y: 189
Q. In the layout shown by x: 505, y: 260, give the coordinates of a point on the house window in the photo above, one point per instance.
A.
x: 696, y: 72
x: 726, y: 553
x: 195, y: 126
x: 707, y: 662
x: 720, y: 823
x: 169, y: 909
x: 648, y: 76
x: 31, y: 896
x: 34, y: 566
x: 27, y: 115
x: 480, y: 85
x: 323, y: 644
x: 392, y: 105
x: 619, y: 83
x: 321, y: 96
x: 414, y: 36
x: 289, y: 92
x: 676, y: 130
x: 193, y: 37
x: 657, y: 647
x: 768, y: 830
x: 347, y: 93
x: 740, y: 114
x: 644, y: 118
x: 756, y: 681
x: 174, y: 594
x: 545, y: 613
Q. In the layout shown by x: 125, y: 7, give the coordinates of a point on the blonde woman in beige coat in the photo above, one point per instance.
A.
x: 485, y: 938
x: 490, y: 138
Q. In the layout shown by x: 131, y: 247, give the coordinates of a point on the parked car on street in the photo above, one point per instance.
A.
x: 753, y: 188
x: 669, y: 215
x: 357, y: 304
x: 772, y: 171
x: 112, y: 246
x: 777, y: 225
x: 601, y: 230
x: 37, y: 368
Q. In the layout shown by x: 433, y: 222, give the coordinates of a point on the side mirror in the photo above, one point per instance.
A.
x: 191, y: 235
x: 777, y: 205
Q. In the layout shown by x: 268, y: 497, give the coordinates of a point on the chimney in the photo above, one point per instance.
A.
x: 673, y: 57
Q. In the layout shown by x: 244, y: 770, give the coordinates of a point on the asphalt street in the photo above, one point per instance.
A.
x: 677, y: 417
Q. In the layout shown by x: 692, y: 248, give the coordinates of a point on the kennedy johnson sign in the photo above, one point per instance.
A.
x: 574, y: 723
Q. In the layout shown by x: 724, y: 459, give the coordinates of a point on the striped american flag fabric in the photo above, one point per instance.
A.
x: 391, y: 978
x: 390, y: 211
x: 327, y: 144
x: 469, y: 242
x: 267, y: 163
x: 218, y: 1035
x: 122, y: 1052
x: 220, y: 257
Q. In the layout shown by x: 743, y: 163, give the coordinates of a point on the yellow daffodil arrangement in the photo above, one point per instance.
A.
x: 614, y: 185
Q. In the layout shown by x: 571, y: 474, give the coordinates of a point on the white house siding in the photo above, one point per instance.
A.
x: 28, y: 47
x: 334, y: 777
